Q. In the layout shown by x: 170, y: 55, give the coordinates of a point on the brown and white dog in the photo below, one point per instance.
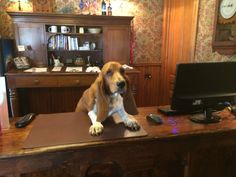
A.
x: 109, y: 94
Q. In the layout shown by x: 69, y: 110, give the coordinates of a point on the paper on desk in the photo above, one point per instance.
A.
x: 56, y: 68
x: 37, y: 70
x: 74, y: 69
x: 93, y: 69
x: 125, y: 66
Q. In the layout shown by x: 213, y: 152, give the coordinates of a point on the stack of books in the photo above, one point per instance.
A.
x: 63, y: 42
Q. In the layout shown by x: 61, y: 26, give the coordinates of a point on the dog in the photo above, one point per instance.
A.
x: 109, y: 94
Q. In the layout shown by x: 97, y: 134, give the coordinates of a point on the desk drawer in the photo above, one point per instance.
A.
x: 35, y: 81
x: 76, y: 81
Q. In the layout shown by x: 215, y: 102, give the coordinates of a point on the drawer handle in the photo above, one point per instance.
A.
x: 36, y: 81
x: 77, y: 82
x: 147, y: 76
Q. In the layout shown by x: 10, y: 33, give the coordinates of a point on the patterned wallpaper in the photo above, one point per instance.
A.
x: 147, y: 24
x: 5, y: 21
x: 205, y: 31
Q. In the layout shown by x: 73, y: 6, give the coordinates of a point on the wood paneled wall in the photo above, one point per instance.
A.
x: 178, y: 43
x: 49, y: 100
x: 156, y: 81
x: 149, y: 84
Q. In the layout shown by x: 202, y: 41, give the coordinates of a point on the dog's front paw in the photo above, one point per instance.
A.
x: 132, y: 124
x: 96, y: 129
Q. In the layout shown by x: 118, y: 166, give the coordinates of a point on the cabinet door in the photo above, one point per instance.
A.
x: 209, y: 162
x: 230, y: 162
x: 31, y: 35
x: 116, y: 42
x: 149, y: 84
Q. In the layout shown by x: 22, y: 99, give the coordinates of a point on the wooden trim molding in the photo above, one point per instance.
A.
x: 179, y: 40
x: 147, y: 64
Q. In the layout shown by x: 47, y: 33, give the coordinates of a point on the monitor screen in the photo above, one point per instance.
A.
x: 199, y: 86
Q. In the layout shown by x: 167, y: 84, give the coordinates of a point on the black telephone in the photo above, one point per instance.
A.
x: 21, y: 63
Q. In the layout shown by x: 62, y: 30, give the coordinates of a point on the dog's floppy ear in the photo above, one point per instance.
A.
x: 102, y: 103
x: 128, y: 99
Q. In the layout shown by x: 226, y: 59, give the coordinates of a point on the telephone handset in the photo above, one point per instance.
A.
x: 21, y: 63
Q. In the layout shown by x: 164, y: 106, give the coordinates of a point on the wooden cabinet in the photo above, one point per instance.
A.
x: 149, y: 84
x: 224, y: 36
x: 213, y: 159
x: 119, y: 43
x: 31, y: 35
x: 111, y: 42
x: 35, y: 81
x: 60, y: 91
x: 76, y: 81
x: 46, y: 80
x: 75, y: 44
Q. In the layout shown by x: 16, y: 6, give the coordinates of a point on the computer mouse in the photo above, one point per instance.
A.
x: 154, y: 118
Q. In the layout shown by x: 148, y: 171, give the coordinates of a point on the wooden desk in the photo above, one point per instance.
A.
x: 174, y: 149
x: 51, y: 92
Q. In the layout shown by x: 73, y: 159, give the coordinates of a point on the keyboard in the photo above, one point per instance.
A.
x: 168, y: 111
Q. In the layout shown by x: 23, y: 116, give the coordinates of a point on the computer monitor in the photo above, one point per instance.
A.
x: 203, y: 87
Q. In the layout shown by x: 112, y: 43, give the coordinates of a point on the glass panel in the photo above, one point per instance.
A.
x: 225, y: 32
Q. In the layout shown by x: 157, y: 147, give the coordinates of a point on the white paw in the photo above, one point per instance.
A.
x: 132, y: 124
x: 96, y: 129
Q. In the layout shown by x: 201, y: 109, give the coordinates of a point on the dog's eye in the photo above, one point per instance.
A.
x: 122, y: 70
x: 109, y: 72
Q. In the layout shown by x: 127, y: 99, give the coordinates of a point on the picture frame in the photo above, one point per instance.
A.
x: 45, y: 6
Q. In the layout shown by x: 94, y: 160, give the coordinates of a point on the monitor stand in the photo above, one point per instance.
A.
x: 205, y: 118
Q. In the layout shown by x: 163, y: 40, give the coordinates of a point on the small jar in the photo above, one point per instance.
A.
x: 79, y: 61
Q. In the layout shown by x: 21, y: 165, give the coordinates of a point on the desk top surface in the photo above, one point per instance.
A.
x: 11, y: 141
x: 15, y: 72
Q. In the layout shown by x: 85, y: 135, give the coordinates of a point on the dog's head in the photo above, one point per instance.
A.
x: 114, y: 78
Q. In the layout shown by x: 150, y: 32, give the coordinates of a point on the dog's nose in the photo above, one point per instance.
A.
x: 121, y: 84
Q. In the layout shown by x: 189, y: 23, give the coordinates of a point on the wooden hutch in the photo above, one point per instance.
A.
x: 60, y: 91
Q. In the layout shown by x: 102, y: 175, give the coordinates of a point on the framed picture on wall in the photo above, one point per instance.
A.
x: 43, y: 6
x: 19, y: 5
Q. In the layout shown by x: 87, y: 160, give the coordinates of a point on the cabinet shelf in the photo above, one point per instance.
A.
x: 98, y: 50
x: 75, y: 34
x: 111, y: 43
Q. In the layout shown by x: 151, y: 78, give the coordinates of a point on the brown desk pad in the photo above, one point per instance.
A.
x: 72, y: 128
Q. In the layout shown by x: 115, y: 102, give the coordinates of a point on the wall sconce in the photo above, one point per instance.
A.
x: 19, y: 5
